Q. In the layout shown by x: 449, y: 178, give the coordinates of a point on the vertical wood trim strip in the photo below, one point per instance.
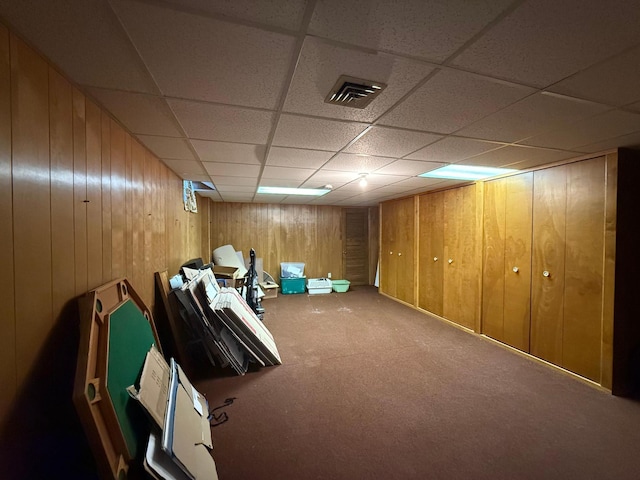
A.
x: 118, y: 183
x: 106, y: 197
x: 62, y: 196
x: 606, y: 379
x: 416, y: 247
x: 7, y: 309
x: 32, y: 204
x: 94, y: 194
x: 477, y: 255
x: 80, y: 191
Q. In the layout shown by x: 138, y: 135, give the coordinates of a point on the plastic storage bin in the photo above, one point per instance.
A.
x: 291, y: 270
x: 318, y: 285
x: 341, y: 286
x: 292, y: 285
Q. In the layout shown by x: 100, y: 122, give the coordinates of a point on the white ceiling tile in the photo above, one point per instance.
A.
x: 620, y: 74
x: 335, y: 178
x: 429, y: 29
x: 287, y: 173
x: 391, y: 142
x: 167, y: 147
x: 268, y: 198
x: 612, y: 124
x: 185, y: 167
x: 227, y: 63
x: 84, y: 39
x: 354, y: 188
x: 224, y: 189
x: 237, y: 197
x: 315, y: 133
x: 628, y: 141
x: 391, y: 189
x: 531, y: 116
x: 419, y: 183
x: 375, y: 179
x: 245, y: 181
x: 140, y: 113
x: 206, y: 121
x: 297, y: 157
x: 326, y: 200
x: 321, y: 65
x: 451, y: 100
x: 229, y: 152
x: 351, y: 162
x: 453, y: 149
x: 231, y: 169
x: 280, y: 182
x: 338, y: 194
x: 279, y: 13
x: 408, y: 167
x: 215, y: 196
x: 298, y: 199
x: 198, y: 178
x: 514, y: 154
x: 544, y: 41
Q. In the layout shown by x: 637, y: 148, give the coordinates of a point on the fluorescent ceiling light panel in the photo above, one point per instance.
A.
x: 466, y: 172
x: 317, y: 192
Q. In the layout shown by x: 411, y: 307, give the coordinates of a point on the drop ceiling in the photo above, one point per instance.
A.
x: 232, y: 92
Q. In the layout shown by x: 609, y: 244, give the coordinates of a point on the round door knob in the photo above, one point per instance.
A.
x: 516, y: 269
x: 390, y: 253
x: 399, y: 253
x: 435, y: 259
x: 451, y: 260
x: 546, y: 274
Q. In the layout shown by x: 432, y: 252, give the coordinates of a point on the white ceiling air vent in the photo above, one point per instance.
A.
x: 354, y: 92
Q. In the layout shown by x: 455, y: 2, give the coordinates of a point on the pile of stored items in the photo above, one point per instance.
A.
x: 121, y: 363
x: 218, y: 322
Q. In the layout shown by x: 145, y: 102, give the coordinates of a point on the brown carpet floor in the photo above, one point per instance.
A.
x: 372, y: 389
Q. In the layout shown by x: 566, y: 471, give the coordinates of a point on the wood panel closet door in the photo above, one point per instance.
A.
x: 431, y: 252
x: 462, y: 267
x: 468, y: 263
x: 388, y: 264
x: 507, y: 260
x: 584, y: 268
x: 549, y: 231
x: 493, y: 276
x: 452, y: 282
x: 517, y: 260
x: 355, y: 247
x: 404, y: 248
x: 568, y: 266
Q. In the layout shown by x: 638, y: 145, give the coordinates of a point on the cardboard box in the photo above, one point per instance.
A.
x: 182, y: 414
x: 270, y: 290
x: 228, y: 276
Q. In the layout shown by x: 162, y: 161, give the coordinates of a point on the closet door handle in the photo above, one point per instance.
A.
x: 399, y: 253
x: 450, y: 261
x: 390, y: 253
x: 516, y: 269
x: 435, y: 259
x: 546, y: 273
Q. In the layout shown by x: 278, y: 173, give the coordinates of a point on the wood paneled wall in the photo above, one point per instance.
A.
x: 81, y: 203
x: 281, y: 233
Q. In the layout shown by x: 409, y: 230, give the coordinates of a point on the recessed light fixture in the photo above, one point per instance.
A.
x: 316, y: 192
x: 363, y: 180
x: 466, y: 172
